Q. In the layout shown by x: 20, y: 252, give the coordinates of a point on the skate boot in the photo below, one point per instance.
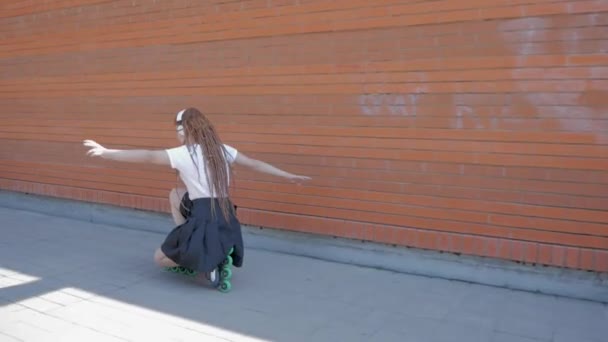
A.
x: 225, y: 270
x: 220, y: 276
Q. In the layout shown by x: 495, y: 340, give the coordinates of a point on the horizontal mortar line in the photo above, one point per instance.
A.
x: 425, y: 229
x: 167, y: 173
x: 154, y: 147
x: 55, y: 181
x: 364, y: 69
x: 433, y: 173
x: 44, y: 33
x: 98, y: 168
x: 247, y: 10
x: 446, y: 67
x: 52, y: 50
x: 339, y: 118
x: 70, y: 187
x: 54, y: 9
x: 80, y: 80
x: 238, y: 180
x: 350, y: 148
x: 371, y: 5
x: 414, y: 206
x: 237, y: 186
x: 165, y: 146
x: 336, y: 112
x: 422, y: 217
x: 254, y: 84
x: 404, y: 182
x: 404, y: 139
x: 413, y: 36
x: 87, y: 130
x: 29, y: 172
x: 129, y: 28
x: 429, y: 230
x: 163, y: 29
x: 71, y: 46
x: 411, y: 206
x: 124, y: 93
x: 363, y: 84
x: 365, y: 136
x: 157, y: 85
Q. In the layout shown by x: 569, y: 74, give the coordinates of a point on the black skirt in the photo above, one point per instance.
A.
x: 204, y: 240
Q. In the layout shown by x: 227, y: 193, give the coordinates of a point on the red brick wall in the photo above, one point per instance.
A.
x: 434, y: 124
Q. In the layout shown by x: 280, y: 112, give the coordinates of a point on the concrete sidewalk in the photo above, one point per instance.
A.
x: 67, y: 280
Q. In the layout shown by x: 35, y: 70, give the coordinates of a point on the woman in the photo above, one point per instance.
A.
x: 207, y: 231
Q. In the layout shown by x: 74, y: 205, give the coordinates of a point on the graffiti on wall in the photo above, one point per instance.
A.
x: 523, y: 111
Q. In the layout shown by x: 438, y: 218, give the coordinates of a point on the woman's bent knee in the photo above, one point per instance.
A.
x: 173, y: 195
x: 159, y: 256
x: 162, y: 260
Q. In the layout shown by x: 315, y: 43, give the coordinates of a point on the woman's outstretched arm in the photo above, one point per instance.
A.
x: 260, y: 166
x: 159, y: 157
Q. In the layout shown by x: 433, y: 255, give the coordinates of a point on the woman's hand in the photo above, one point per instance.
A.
x: 96, y: 149
x: 298, y: 179
x: 159, y: 157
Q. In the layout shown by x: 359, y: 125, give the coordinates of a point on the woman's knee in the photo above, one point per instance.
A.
x: 173, y: 196
x: 159, y: 256
x: 162, y: 260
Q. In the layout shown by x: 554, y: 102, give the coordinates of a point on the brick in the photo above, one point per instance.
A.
x: 426, y: 240
x: 558, y: 256
x: 530, y: 252
x: 545, y: 254
x: 586, y: 259
x: 455, y: 243
x: 492, y: 247
x: 517, y: 250
x: 501, y: 12
x: 383, y: 234
x: 600, y: 261
x: 504, y: 249
x: 545, y: 9
x: 467, y: 245
x: 478, y: 246
x: 443, y: 242
x: 587, y: 7
x: 572, y: 257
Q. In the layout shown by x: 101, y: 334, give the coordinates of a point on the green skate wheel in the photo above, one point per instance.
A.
x: 225, y: 286
x: 227, y: 262
x: 226, y: 273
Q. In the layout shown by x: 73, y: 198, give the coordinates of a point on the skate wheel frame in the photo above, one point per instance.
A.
x: 224, y: 272
x: 181, y: 270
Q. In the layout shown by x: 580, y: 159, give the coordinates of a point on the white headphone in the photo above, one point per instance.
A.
x: 178, y: 120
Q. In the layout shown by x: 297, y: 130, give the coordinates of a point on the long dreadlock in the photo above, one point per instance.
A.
x: 198, y: 130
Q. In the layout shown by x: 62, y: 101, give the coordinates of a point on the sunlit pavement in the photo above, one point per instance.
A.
x: 67, y: 280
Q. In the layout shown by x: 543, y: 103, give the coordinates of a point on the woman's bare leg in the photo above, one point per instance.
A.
x: 175, y: 198
x: 161, y: 259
